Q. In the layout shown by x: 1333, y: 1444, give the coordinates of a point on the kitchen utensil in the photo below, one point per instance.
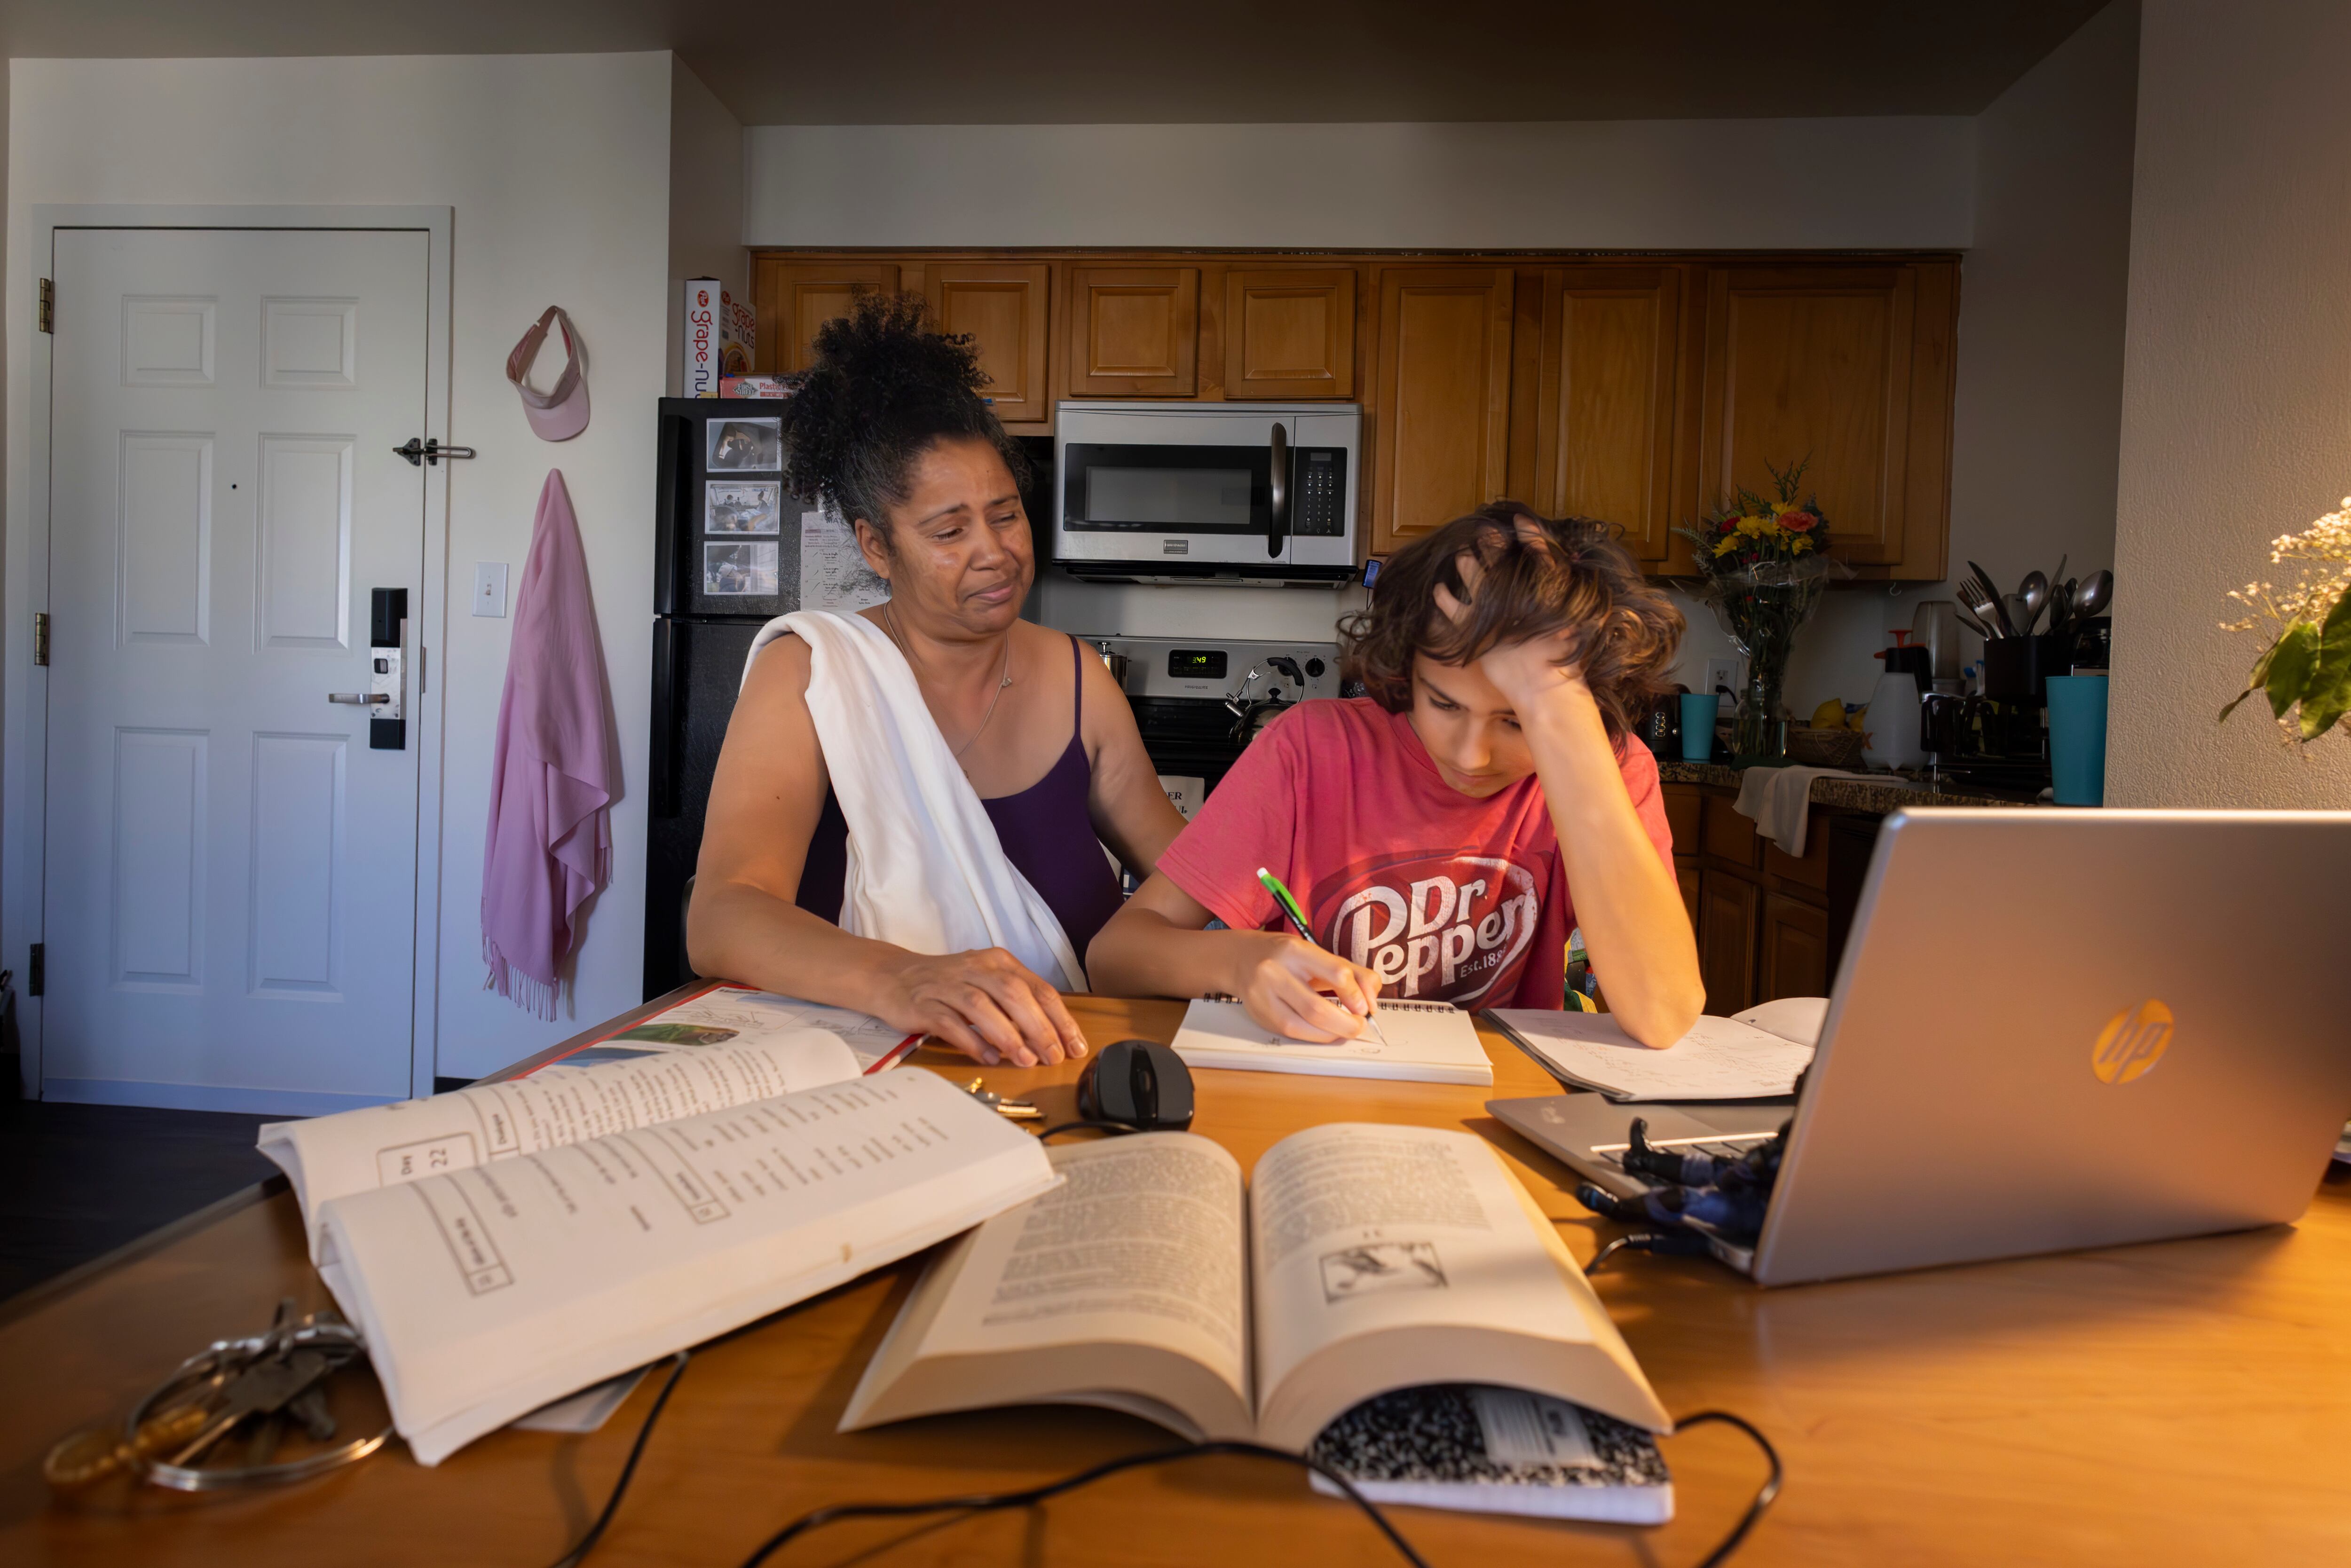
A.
x: 2097, y: 591
x: 1985, y: 601
x: 1984, y: 605
x: 1978, y: 627
x: 2014, y: 616
x: 2034, y: 591
x: 2060, y: 607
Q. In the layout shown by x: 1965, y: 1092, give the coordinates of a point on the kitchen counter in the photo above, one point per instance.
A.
x: 1877, y: 796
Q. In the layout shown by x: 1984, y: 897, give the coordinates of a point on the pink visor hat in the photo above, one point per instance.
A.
x: 561, y: 415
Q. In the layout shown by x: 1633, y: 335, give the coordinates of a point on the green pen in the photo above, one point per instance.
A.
x: 1297, y: 918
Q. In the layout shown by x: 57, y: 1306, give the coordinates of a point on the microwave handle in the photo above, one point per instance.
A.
x: 1277, y: 528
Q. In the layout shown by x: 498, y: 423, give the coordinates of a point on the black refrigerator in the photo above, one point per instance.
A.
x: 727, y: 559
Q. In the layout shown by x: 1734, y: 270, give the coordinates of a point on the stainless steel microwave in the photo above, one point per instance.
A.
x: 1192, y: 492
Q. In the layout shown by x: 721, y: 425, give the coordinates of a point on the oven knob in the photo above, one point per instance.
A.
x: 1313, y: 669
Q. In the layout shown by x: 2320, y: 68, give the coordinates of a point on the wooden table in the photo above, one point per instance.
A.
x: 2186, y: 1402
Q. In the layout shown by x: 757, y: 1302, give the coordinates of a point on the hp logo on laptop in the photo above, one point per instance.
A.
x: 2133, y: 1042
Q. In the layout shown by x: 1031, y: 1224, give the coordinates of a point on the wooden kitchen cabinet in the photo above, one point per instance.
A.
x: 1793, y: 952
x: 1134, y: 332
x: 1727, y: 906
x: 1639, y: 390
x: 1289, y: 332
x: 1768, y: 925
x: 1848, y: 368
x: 1440, y: 432
x: 794, y: 297
x: 1612, y: 380
x: 1004, y: 307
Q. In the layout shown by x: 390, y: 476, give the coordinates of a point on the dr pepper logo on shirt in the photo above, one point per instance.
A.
x: 1449, y: 926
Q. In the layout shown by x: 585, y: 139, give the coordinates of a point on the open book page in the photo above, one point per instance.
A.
x: 382, y: 1146
x: 1384, y: 1257
x: 736, y: 1014
x: 1431, y: 1042
x: 1719, y: 1059
x: 1122, y: 1287
x: 485, y: 1292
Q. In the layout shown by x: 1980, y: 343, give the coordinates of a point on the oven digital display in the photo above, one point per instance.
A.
x: 1196, y: 664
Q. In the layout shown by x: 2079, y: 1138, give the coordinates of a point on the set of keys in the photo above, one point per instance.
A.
x: 268, y: 1381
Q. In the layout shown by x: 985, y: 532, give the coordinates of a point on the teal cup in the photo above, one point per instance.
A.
x: 1699, y: 710
x: 2077, y: 739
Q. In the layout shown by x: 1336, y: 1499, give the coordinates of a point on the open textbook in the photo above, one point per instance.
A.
x: 1754, y: 1055
x: 727, y: 1046
x: 1433, y: 1043
x: 1361, y: 1258
x: 487, y: 1292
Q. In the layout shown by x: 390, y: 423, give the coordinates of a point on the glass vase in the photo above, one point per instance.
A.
x: 1757, y: 734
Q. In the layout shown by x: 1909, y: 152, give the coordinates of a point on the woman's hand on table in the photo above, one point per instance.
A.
x: 1300, y: 990
x: 984, y: 1003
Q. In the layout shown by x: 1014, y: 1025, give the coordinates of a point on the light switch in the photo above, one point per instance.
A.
x: 490, y: 588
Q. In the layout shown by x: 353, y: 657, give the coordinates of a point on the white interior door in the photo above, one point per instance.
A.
x: 230, y: 876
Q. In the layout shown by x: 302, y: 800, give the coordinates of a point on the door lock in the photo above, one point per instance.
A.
x: 358, y: 699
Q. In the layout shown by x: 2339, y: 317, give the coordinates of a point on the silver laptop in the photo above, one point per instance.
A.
x: 2050, y: 1029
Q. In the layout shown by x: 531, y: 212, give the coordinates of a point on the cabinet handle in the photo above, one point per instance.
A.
x: 358, y: 699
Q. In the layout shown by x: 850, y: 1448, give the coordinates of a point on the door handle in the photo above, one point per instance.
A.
x: 1278, y: 514
x: 358, y: 699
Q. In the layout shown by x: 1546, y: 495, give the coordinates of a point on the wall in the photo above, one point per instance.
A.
x: 706, y: 200
x: 2037, y: 415
x: 2236, y: 400
x: 557, y: 170
x: 1902, y: 183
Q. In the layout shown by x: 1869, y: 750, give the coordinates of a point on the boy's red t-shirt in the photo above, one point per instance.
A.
x: 1448, y: 897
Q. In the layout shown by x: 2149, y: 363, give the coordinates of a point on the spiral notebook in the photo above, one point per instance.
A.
x: 1433, y: 1042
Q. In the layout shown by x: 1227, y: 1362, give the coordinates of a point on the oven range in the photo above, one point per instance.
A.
x: 1199, y: 701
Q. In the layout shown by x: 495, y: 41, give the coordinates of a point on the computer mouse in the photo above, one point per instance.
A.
x: 1140, y: 1082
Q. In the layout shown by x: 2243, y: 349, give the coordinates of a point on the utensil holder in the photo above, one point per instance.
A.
x: 2018, y: 668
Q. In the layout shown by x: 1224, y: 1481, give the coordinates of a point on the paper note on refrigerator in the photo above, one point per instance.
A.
x: 834, y: 573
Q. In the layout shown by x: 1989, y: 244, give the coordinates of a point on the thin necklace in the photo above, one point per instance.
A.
x: 1005, y: 678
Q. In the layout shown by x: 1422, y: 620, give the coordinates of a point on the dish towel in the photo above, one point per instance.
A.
x: 1777, y: 797
x: 926, y: 872
x: 553, y: 776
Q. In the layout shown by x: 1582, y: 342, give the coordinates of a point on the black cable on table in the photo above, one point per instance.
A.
x: 586, y: 1543
x: 1113, y: 1128
x: 989, y: 1502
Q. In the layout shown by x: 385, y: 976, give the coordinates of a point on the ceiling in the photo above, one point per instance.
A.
x: 1060, y: 62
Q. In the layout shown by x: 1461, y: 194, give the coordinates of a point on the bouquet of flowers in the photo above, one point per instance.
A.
x: 1762, y: 565
x: 2307, y: 664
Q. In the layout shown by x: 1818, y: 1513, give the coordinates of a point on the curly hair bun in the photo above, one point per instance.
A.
x: 883, y: 389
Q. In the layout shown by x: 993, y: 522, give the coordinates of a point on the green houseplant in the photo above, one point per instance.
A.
x: 2305, y: 670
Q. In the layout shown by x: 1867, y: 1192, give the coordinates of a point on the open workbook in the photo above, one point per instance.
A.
x: 724, y: 1048
x: 1360, y: 1260
x: 487, y: 1292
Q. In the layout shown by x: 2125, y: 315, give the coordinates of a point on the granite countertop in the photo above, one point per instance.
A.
x: 1879, y: 794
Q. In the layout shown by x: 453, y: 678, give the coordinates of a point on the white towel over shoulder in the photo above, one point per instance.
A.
x: 926, y: 872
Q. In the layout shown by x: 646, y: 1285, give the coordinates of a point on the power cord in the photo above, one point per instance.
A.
x: 989, y: 1502
x: 586, y: 1543
x: 1114, y: 1129
x: 1686, y: 1244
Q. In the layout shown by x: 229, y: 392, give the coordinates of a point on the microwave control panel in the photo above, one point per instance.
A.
x: 1319, y: 474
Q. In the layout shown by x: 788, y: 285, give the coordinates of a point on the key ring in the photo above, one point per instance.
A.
x: 340, y: 1341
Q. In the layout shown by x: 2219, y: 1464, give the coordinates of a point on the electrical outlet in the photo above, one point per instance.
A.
x: 1722, y: 674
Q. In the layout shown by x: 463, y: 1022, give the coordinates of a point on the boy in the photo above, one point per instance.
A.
x: 1445, y: 831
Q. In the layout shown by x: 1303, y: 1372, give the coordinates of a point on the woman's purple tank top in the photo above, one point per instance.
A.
x: 1046, y: 831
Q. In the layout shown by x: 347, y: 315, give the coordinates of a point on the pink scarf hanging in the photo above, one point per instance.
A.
x: 553, y: 776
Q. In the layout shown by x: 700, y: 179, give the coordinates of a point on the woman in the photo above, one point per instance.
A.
x: 890, y: 430
x: 1446, y: 831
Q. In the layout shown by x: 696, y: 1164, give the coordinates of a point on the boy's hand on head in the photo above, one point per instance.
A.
x: 1299, y: 990
x: 1528, y: 672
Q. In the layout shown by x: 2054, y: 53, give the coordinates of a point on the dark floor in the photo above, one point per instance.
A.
x: 77, y: 1181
